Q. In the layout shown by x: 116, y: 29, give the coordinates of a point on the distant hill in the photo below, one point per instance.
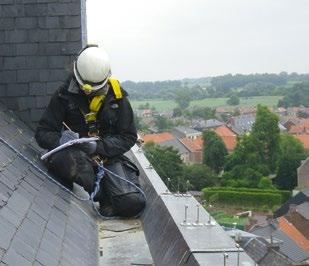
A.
x: 266, y: 84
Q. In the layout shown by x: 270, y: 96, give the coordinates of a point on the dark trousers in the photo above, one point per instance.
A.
x: 73, y: 165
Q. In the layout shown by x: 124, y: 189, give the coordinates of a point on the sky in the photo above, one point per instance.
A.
x: 149, y: 40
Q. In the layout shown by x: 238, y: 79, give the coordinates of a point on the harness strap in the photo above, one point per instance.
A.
x: 96, y: 104
x: 116, y: 88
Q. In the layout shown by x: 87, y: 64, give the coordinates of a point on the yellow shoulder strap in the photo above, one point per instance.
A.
x: 96, y: 103
x: 116, y: 88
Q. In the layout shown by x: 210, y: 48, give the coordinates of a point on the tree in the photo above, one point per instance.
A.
x: 162, y: 123
x: 167, y: 163
x: 177, y: 112
x: 233, y: 100
x: 265, y: 136
x: 144, y: 106
x: 199, y: 176
x: 256, y: 154
x: 214, y: 151
x: 202, y: 112
x: 183, y: 98
x: 298, y: 95
x: 291, y: 154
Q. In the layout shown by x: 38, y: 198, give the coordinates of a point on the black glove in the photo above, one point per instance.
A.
x: 88, y: 147
x: 68, y: 135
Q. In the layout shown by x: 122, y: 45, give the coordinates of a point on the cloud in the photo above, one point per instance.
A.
x: 156, y: 40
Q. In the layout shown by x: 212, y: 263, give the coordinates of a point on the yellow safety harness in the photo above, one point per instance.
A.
x: 95, y: 105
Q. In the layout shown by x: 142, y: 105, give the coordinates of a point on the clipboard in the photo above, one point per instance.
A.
x: 68, y: 144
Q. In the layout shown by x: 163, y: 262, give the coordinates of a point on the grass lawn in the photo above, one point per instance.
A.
x: 224, y: 218
x: 168, y: 105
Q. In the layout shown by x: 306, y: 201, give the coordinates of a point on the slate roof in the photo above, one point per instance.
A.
x: 176, y: 144
x: 299, y: 198
x: 40, y: 223
x: 206, y: 124
x: 303, y: 209
x: 242, y: 124
x: 287, y: 246
x: 183, y: 132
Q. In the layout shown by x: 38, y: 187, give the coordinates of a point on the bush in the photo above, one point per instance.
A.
x: 265, y: 183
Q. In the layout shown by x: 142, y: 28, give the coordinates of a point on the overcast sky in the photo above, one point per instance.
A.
x: 175, y: 39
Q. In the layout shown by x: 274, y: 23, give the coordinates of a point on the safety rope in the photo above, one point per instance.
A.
x: 99, y: 176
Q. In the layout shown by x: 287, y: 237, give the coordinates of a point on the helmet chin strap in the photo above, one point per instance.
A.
x: 87, y: 89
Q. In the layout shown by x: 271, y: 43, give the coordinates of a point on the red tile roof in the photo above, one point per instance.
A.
x: 158, y: 138
x: 301, y: 128
x: 304, y: 139
x: 228, y: 136
x: 193, y: 144
x: 291, y: 231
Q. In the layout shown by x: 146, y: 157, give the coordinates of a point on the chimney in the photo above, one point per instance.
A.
x: 37, y: 43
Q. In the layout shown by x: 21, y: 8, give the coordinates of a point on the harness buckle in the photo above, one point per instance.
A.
x: 90, y: 117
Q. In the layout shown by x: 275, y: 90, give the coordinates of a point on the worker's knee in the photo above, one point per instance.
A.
x: 129, y: 205
x: 71, y: 165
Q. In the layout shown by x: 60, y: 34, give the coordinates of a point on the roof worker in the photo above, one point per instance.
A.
x: 91, y: 103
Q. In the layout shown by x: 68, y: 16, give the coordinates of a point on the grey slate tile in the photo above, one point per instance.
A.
x: 30, y: 189
x: 62, y: 205
x: 52, y: 238
x: 51, y: 186
x: 18, y: 203
x: 56, y: 228
x: 5, y: 192
x: 32, y: 228
x: 31, y: 240
x: 46, y: 259
x: 11, y: 216
x: 46, y: 196
x: 29, y: 235
x: 23, y: 249
x: 8, y: 180
x: 34, y: 217
x: 28, y: 195
x: 33, y: 181
x: 57, y: 214
x: 13, y: 258
x: 7, y: 231
x: 41, y: 210
x: 53, y: 249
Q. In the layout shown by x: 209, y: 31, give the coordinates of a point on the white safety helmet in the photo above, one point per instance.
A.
x: 92, y: 68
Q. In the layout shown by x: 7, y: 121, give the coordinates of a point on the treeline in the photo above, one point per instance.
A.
x: 220, y: 86
x: 163, y: 90
x: 297, y: 96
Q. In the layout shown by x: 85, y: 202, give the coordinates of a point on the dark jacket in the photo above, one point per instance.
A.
x: 115, y: 121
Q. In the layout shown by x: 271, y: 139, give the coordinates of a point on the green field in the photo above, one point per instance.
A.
x: 164, y: 105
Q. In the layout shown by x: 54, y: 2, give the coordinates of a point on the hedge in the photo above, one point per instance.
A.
x: 244, y: 198
x: 285, y: 194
